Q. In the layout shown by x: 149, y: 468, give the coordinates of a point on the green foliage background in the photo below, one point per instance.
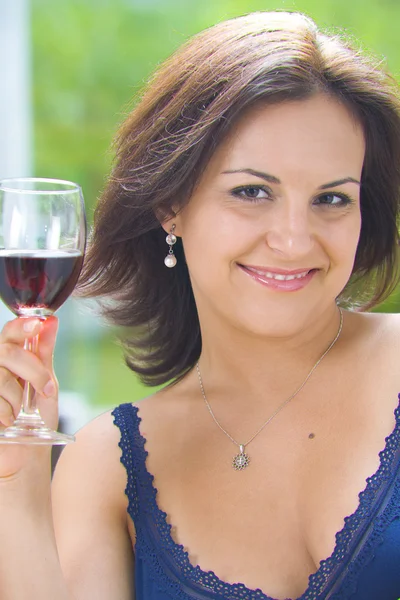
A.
x: 90, y: 59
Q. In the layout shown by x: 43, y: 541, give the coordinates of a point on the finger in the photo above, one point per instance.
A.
x: 27, y: 366
x: 18, y: 330
x: 7, y: 414
x: 47, y: 340
x: 10, y: 393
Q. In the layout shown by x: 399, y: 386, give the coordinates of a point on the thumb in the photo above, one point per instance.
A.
x: 47, y: 340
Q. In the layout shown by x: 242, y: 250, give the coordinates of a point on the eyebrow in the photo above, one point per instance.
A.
x: 273, y: 179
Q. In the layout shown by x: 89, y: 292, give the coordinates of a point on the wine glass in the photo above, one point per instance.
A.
x: 42, y: 243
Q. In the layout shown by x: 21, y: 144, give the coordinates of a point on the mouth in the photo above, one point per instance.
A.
x: 279, y: 276
x: 283, y: 279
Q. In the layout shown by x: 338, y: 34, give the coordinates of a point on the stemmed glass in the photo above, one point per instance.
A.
x: 42, y: 243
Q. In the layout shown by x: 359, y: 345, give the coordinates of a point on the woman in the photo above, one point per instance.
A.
x: 269, y: 155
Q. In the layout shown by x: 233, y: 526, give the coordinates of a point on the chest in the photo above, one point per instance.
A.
x: 269, y: 525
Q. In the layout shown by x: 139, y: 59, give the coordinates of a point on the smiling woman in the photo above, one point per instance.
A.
x: 220, y: 79
x: 298, y: 232
x: 252, y: 207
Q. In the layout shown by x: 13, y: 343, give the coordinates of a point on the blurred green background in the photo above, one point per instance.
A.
x: 90, y: 58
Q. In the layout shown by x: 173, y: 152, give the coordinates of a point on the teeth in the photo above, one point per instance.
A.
x: 278, y: 276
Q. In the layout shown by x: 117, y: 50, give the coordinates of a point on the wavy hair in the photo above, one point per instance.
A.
x: 164, y: 145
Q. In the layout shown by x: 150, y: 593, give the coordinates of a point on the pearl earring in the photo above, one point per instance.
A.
x: 170, y: 259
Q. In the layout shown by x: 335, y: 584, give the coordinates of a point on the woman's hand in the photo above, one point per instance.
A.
x: 16, y: 366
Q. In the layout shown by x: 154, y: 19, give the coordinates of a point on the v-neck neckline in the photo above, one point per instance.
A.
x: 208, y: 581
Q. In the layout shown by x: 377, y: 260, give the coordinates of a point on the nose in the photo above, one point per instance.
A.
x: 290, y: 231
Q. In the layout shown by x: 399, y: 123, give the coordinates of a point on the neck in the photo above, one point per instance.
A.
x: 235, y: 364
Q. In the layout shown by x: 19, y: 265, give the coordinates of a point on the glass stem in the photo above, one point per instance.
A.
x: 29, y: 410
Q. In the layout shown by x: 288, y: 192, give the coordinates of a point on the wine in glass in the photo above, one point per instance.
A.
x: 42, y: 243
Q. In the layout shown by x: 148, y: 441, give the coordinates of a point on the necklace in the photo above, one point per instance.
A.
x: 242, y: 460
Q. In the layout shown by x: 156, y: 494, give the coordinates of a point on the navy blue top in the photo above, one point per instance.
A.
x: 365, y: 564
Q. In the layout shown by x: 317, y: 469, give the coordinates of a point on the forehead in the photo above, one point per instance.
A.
x: 317, y: 135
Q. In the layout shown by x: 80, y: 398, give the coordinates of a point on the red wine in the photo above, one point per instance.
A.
x: 37, y: 280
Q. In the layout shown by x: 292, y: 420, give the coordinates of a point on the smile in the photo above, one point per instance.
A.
x: 279, y: 276
x: 281, y: 281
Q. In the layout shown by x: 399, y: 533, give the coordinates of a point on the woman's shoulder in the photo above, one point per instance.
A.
x: 90, y: 507
x: 99, y: 440
x: 377, y: 325
x: 371, y: 355
x: 94, y: 458
x: 374, y: 338
x: 100, y: 433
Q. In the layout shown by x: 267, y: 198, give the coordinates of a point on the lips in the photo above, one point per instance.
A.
x: 280, y: 279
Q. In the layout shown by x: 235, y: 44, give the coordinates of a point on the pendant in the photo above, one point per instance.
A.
x: 241, y: 460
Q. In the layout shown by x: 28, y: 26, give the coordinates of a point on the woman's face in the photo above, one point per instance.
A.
x: 271, y: 231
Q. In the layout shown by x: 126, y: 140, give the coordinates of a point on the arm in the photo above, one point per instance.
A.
x: 89, y: 503
x: 29, y: 565
x: 95, y: 557
x: 90, y: 518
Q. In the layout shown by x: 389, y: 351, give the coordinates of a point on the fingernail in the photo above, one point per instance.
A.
x: 49, y: 389
x: 29, y: 326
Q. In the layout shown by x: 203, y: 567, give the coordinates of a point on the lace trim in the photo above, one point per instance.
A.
x: 126, y: 417
x: 375, y: 539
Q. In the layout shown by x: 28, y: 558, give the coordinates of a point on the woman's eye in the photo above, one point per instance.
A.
x: 251, y: 192
x: 334, y: 200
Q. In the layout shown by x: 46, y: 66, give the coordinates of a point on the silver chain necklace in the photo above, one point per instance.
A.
x: 242, y: 460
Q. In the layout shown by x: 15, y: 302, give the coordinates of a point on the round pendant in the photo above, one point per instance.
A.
x: 241, y: 460
x: 170, y: 260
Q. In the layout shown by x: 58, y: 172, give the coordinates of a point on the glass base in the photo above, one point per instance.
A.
x: 29, y: 434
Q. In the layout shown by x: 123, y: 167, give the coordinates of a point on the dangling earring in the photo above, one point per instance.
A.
x: 170, y: 259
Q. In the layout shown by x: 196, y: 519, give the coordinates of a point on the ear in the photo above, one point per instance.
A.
x: 166, y: 224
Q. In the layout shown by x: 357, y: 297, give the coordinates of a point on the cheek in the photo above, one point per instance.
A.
x: 344, y: 241
x: 211, y: 250
x: 216, y: 233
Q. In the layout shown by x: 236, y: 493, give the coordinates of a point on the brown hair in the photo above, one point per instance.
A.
x: 165, y: 143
